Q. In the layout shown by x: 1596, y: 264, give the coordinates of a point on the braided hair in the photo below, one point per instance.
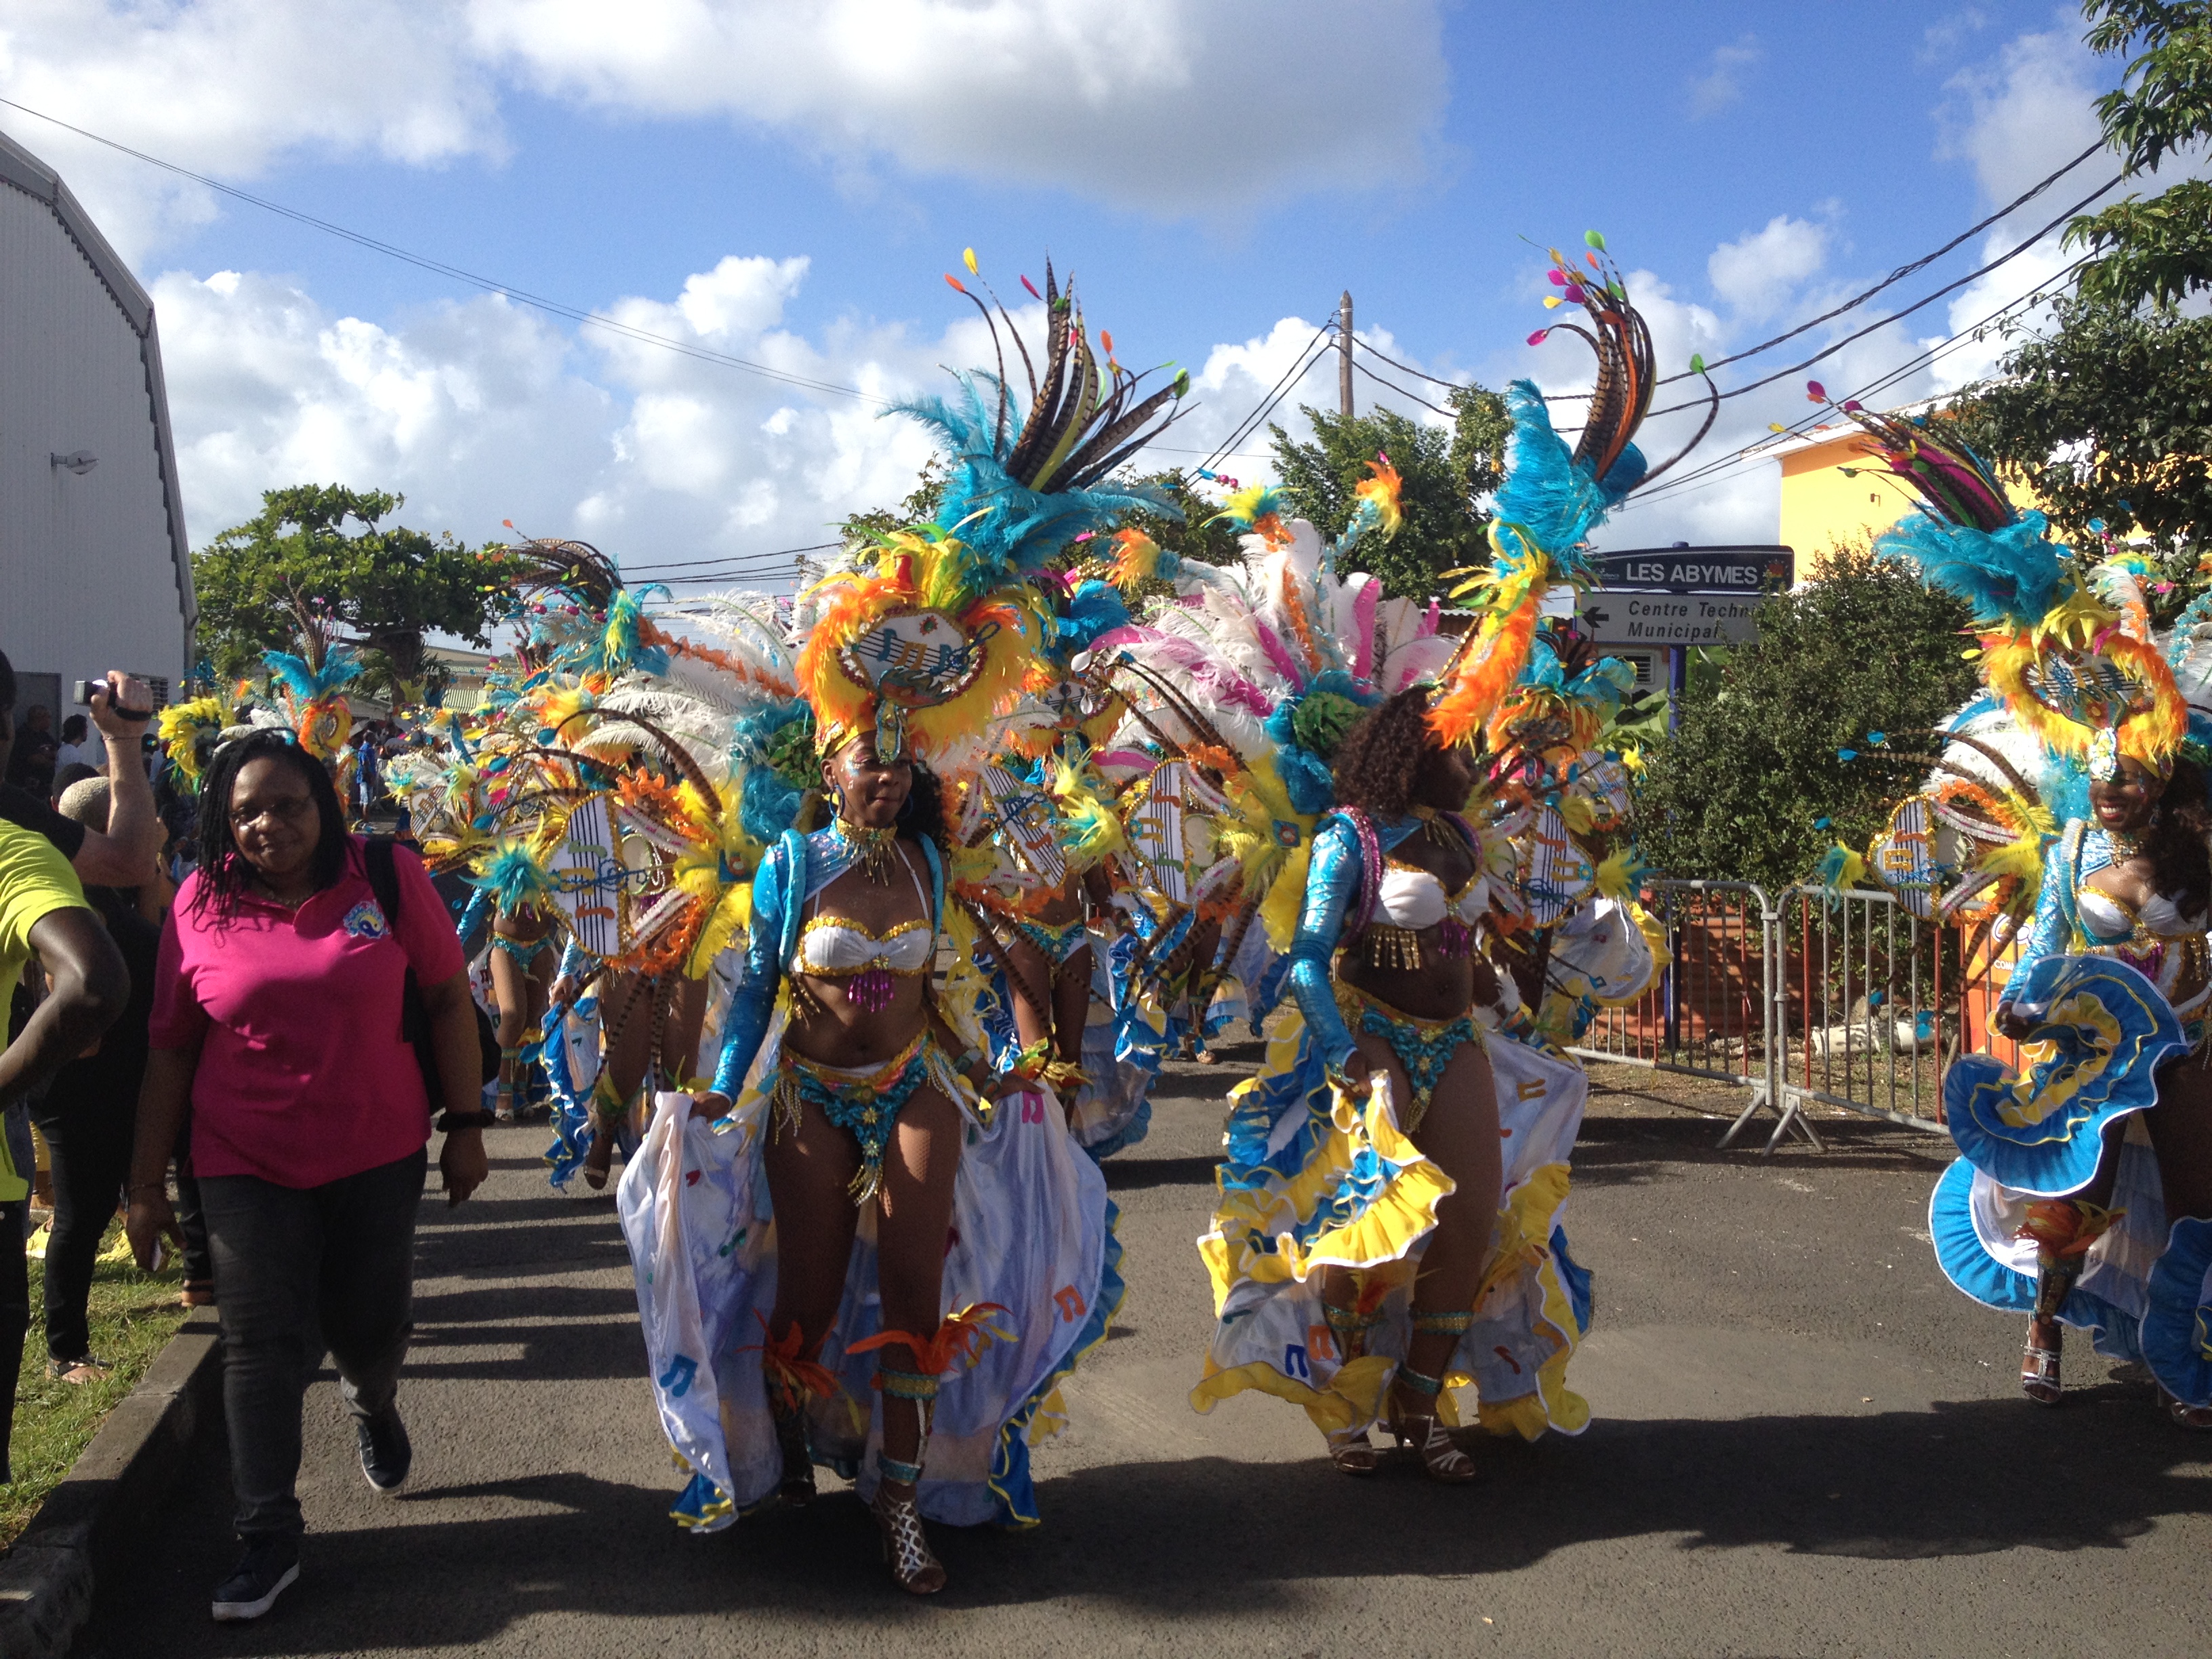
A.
x: 224, y: 873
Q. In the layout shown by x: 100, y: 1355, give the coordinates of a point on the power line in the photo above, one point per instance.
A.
x: 728, y: 558
x: 1875, y: 326
x: 555, y: 307
x: 1454, y: 386
x: 1401, y: 391
x: 1805, y: 424
x: 1251, y: 424
x: 1903, y: 271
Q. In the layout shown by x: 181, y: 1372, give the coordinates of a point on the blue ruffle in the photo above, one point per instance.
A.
x: 2097, y: 1071
x: 2177, y: 1325
x: 1959, y: 1252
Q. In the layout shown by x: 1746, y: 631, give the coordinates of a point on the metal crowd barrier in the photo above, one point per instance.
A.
x: 1849, y: 999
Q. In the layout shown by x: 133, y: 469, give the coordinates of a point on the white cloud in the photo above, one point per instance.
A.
x: 1122, y: 102
x: 226, y: 86
x: 1759, y: 273
x: 1722, y: 84
x: 2025, y: 113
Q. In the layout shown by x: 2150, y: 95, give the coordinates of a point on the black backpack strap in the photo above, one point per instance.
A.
x: 383, y: 876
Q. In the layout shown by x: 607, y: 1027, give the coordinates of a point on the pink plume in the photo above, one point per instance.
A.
x: 1278, y: 653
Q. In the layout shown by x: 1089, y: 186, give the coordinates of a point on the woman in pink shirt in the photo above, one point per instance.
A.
x: 277, y: 1009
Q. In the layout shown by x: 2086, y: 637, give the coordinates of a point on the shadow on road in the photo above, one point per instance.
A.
x: 1964, y: 1479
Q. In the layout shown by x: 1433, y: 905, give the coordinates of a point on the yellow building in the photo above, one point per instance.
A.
x: 1836, y: 488
x: 1822, y: 506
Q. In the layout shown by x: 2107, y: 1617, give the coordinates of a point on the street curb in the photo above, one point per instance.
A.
x: 87, y: 1523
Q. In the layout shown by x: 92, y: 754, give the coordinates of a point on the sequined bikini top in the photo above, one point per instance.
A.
x: 837, y: 947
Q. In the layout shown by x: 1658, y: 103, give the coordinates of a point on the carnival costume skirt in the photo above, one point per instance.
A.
x: 1032, y: 1231
x: 1314, y: 1179
x: 2145, y: 1290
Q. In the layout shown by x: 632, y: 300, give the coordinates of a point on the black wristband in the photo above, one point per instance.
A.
x: 479, y: 1119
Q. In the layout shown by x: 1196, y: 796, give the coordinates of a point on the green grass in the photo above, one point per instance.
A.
x: 132, y: 1314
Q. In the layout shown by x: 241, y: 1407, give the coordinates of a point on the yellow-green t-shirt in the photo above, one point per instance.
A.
x: 35, y: 881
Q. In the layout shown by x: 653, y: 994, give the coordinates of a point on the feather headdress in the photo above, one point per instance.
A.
x: 1552, y: 498
x: 1017, y: 498
x: 2069, y: 650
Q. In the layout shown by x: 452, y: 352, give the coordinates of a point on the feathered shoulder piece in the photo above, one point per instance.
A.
x: 1553, y: 497
x: 1025, y: 484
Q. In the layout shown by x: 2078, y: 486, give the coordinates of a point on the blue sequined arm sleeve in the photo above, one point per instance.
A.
x: 2047, y: 935
x: 1330, y: 879
x: 755, y: 1001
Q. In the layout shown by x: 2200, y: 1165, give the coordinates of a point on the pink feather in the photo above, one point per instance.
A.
x: 1277, y: 653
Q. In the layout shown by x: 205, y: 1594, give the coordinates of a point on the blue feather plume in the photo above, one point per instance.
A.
x: 1094, y: 609
x: 1013, y: 531
x: 1551, y: 495
x: 340, y: 665
x: 2009, y: 576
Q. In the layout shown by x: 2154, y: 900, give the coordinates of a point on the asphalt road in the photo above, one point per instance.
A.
x: 1805, y: 1443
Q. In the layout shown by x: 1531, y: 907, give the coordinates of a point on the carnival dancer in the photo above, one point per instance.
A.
x: 1389, y: 1227
x: 2083, y: 1193
x: 801, y: 1232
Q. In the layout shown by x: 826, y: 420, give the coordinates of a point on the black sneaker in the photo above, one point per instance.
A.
x: 385, y: 1456
x: 262, y: 1575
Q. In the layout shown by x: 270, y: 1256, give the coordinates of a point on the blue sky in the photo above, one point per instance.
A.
x: 788, y: 182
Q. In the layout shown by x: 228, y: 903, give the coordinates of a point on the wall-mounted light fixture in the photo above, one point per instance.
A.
x: 79, y: 461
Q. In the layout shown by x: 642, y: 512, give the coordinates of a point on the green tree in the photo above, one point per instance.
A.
x: 1442, y: 473
x: 2107, y: 417
x: 919, y: 507
x: 1200, y: 534
x: 1738, y: 790
x: 297, y: 572
x: 2158, y: 250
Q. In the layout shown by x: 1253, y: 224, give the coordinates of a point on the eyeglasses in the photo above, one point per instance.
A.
x: 290, y: 809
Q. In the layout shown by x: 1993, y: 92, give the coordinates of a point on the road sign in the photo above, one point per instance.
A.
x: 1616, y: 618
x: 1699, y: 569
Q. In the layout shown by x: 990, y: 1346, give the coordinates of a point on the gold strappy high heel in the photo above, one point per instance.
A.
x: 2039, y: 1368
x: 1441, y: 1458
x: 1351, y: 1451
x: 913, y: 1566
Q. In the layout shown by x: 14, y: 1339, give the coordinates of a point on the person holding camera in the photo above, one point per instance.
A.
x: 279, y: 1003
x: 124, y: 854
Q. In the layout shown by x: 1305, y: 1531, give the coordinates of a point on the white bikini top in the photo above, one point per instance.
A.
x: 1413, y: 897
x: 2106, y: 918
x: 836, y: 947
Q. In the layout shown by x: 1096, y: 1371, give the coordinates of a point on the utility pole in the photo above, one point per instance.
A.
x: 1344, y: 355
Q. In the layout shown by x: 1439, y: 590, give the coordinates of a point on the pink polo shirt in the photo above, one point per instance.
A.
x: 303, y: 1075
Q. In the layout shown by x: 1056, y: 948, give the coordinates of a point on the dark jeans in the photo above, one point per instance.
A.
x: 89, y: 1144
x: 297, y: 1270
x: 14, y: 1280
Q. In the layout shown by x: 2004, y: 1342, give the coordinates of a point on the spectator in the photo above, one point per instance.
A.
x: 86, y: 1116
x: 42, y: 908
x: 81, y: 746
x: 122, y: 856
x: 31, y: 760
x: 75, y: 772
x: 368, y: 772
x: 277, y: 1018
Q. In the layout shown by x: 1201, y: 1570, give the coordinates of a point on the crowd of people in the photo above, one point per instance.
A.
x: 856, y: 926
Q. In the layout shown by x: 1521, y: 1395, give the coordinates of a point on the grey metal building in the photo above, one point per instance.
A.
x: 95, y: 572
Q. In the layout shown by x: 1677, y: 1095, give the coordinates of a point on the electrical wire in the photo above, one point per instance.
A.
x: 1903, y: 271
x: 1879, y: 324
x: 554, y: 307
x: 729, y: 558
x: 1401, y: 391
x: 1805, y: 424
x: 1251, y: 424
